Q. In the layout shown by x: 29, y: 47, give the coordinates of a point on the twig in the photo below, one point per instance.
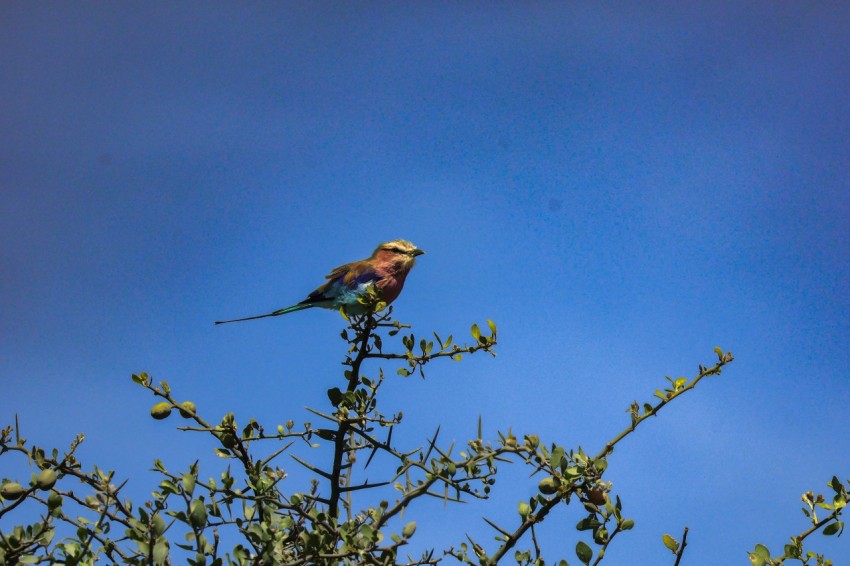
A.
x: 682, y: 546
x: 637, y: 419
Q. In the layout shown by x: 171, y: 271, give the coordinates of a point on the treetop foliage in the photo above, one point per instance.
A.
x: 249, y: 515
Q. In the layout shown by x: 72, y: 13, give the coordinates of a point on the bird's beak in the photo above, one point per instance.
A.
x: 417, y: 252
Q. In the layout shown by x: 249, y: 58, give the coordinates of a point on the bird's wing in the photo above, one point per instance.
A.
x: 347, y: 277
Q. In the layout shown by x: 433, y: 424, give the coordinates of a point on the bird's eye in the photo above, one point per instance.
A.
x: 397, y: 250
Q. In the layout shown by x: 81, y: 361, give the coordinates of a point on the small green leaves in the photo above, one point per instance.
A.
x: 670, y: 543
x: 335, y: 396
x: 189, y: 480
x: 600, y: 535
x: 197, y: 514
x: 583, y: 552
x: 157, y: 524
x: 792, y: 550
x: 834, y: 528
x: 484, y: 340
x: 760, y: 555
x: 557, y: 456
x: 588, y: 523
x: 160, y: 552
x: 142, y: 379
x: 249, y: 496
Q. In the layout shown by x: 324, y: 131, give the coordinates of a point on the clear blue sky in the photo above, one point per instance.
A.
x: 621, y: 188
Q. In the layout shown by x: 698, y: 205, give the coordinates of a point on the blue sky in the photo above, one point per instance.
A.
x: 620, y: 188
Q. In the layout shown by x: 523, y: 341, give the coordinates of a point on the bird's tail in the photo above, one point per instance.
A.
x: 293, y: 308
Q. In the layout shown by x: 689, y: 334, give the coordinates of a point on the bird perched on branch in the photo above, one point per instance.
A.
x: 348, y: 285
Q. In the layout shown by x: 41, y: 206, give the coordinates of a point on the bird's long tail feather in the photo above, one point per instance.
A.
x: 293, y: 308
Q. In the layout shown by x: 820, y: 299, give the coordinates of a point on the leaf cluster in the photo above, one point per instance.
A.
x: 249, y: 515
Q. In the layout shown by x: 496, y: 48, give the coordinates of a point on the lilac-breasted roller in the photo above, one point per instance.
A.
x: 383, y: 273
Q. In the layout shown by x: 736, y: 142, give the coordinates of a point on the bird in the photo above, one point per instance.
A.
x: 383, y: 273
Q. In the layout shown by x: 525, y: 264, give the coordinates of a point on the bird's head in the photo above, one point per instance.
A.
x: 399, y: 252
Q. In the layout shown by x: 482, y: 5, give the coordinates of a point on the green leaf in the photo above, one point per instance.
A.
x: 833, y: 528
x: 584, y: 552
x: 197, y: 514
x: 836, y: 485
x: 791, y: 551
x: 188, y: 483
x: 555, y: 458
x: 670, y: 543
x: 600, y: 535
x: 572, y: 472
x: 160, y: 551
x: 627, y: 525
x: 476, y: 332
x: 762, y: 552
x: 492, y: 326
x: 588, y: 523
x: 335, y: 396
x: 157, y: 524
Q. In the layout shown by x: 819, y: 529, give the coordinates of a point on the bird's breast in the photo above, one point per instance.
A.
x: 390, y: 287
